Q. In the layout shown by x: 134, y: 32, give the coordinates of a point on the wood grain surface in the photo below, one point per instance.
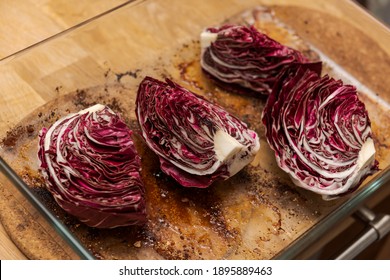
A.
x: 26, y: 22
x: 45, y: 18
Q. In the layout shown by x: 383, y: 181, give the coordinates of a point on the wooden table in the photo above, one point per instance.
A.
x: 26, y: 22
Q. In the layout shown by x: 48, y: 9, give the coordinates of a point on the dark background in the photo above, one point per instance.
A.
x: 378, y: 8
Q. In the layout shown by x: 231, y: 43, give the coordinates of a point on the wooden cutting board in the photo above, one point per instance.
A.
x: 27, y: 22
x: 370, y: 36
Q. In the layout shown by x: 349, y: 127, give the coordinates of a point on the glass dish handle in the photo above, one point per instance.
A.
x: 378, y: 226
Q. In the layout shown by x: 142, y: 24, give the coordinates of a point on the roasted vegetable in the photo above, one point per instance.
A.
x: 240, y: 55
x: 196, y: 141
x: 91, y: 167
x: 320, y: 132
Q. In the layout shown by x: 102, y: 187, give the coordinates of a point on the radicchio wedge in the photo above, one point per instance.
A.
x: 241, y: 55
x: 91, y: 167
x: 320, y: 132
x: 196, y: 141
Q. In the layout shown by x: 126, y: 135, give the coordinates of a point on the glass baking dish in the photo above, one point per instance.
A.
x: 103, y: 61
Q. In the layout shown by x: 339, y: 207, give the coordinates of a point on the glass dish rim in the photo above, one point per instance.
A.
x: 380, y: 179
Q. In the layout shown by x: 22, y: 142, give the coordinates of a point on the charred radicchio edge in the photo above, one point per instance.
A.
x: 196, y: 141
x: 244, y: 56
x: 91, y: 167
x: 320, y: 132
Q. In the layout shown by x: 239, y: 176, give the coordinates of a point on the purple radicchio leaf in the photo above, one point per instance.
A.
x: 91, y: 167
x: 239, y: 55
x: 197, y: 142
x: 320, y: 132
